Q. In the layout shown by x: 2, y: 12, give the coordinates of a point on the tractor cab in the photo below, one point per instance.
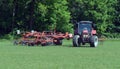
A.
x: 82, y: 26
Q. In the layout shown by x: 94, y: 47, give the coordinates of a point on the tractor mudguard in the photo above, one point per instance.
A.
x: 93, y: 32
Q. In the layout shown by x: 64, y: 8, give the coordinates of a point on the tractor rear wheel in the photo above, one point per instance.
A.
x: 94, y: 41
x: 76, y: 41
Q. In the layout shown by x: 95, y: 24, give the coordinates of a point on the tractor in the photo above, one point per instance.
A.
x: 84, y: 32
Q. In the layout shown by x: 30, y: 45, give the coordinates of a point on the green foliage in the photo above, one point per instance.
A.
x: 54, y: 15
x: 100, y: 12
x: 5, y: 16
x: 117, y: 17
x: 62, y: 16
x: 112, y: 35
x: 7, y: 36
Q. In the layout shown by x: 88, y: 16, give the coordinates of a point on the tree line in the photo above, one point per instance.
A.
x: 59, y: 15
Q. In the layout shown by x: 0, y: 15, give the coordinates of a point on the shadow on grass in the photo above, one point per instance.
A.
x: 83, y: 46
x: 64, y: 45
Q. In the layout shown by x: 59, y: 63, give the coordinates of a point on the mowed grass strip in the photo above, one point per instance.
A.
x: 106, y: 56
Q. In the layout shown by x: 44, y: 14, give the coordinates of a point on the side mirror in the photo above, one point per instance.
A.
x: 75, y: 26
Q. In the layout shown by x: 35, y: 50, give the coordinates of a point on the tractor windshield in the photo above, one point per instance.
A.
x: 84, y: 26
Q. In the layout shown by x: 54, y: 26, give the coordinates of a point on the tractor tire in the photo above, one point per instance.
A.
x: 76, y: 41
x: 94, y: 41
x: 59, y: 42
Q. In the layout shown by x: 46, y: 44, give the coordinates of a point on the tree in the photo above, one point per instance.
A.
x: 58, y: 14
x: 116, y: 27
x: 100, y: 12
x: 54, y: 15
x: 5, y: 16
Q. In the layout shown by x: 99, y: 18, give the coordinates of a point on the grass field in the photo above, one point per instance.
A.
x: 106, y: 56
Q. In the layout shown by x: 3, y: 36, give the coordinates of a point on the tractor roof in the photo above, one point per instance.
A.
x: 85, y: 22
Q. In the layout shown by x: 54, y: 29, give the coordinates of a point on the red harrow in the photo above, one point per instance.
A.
x: 42, y: 38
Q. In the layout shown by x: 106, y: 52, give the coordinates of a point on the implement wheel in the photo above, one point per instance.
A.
x: 58, y: 42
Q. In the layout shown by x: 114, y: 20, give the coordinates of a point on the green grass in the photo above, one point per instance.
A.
x: 106, y: 56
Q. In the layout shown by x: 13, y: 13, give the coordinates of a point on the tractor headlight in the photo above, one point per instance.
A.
x: 85, y: 35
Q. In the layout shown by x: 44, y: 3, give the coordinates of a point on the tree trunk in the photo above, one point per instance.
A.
x: 32, y: 14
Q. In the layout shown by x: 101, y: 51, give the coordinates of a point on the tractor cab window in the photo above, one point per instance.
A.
x: 83, y: 26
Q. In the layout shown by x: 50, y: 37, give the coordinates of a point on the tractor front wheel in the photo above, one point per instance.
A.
x: 94, y: 41
x: 76, y: 41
